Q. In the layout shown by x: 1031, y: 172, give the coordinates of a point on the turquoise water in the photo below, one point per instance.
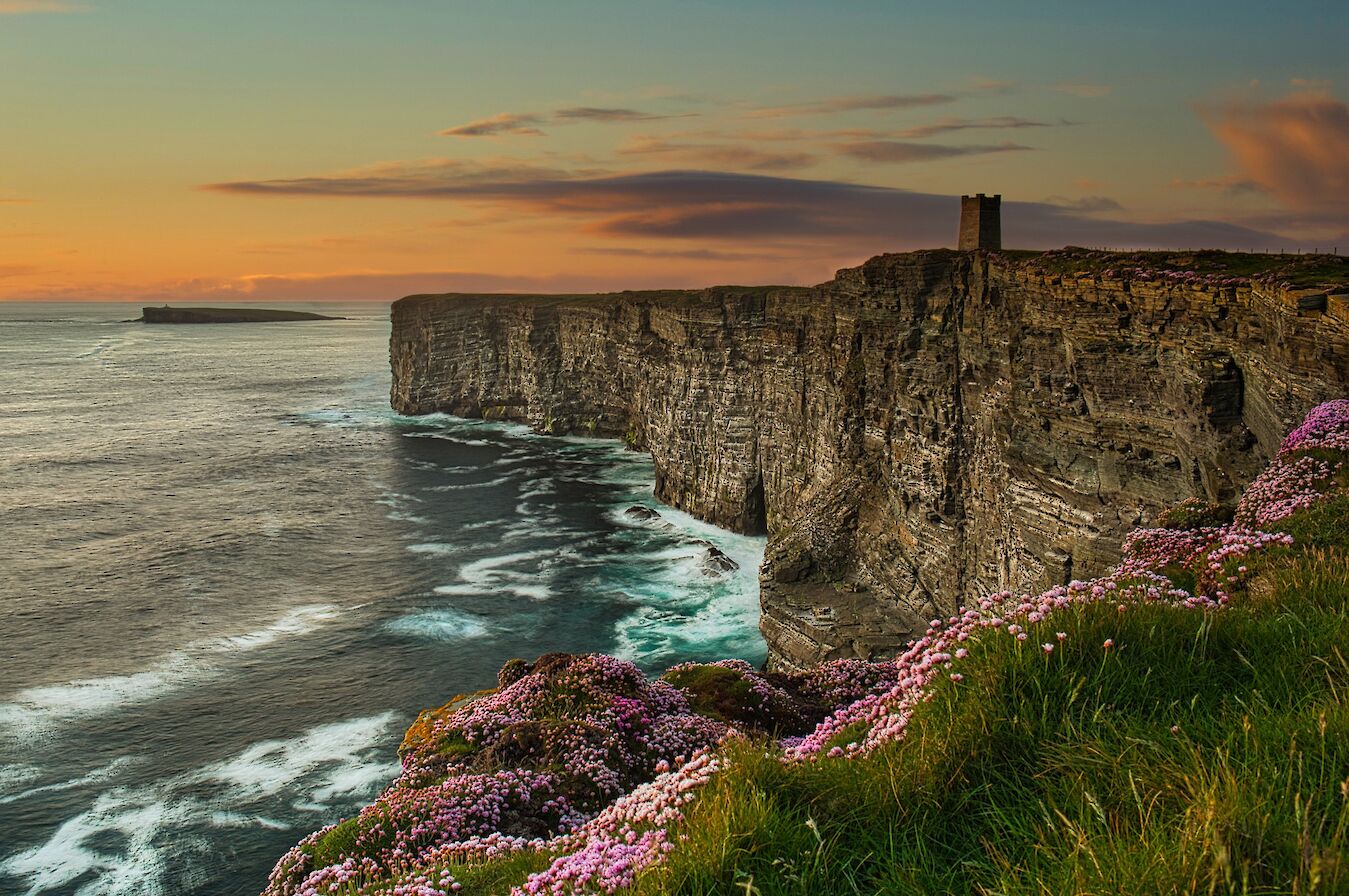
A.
x: 230, y: 576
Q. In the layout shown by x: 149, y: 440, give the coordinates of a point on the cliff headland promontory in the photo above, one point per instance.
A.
x: 922, y: 429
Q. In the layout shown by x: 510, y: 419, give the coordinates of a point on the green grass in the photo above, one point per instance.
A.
x: 1302, y: 271
x: 1204, y: 753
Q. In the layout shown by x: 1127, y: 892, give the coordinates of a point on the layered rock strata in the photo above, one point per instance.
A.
x: 922, y: 429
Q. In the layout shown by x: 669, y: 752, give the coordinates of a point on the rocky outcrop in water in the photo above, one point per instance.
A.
x: 167, y: 315
x: 922, y: 429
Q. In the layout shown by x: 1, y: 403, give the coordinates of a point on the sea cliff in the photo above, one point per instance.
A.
x: 922, y: 429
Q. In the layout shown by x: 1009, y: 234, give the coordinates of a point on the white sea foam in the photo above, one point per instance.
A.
x: 489, y: 483
x: 439, y: 625
x: 493, y: 575
x: 268, y: 767
x: 99, y: 775
x: 120, y: 838
x: 35, y: 712
x: 683, y: 611
x: 434, y: 547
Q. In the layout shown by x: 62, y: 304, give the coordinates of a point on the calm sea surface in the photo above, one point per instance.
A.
x: 230, y: 576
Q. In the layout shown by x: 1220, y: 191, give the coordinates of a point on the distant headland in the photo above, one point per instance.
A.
x: 167, y: 315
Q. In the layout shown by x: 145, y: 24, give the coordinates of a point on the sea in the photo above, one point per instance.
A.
x: 230, y: 577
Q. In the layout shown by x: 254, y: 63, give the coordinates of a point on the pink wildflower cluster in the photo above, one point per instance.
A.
x: 1287, y: 485
x: 840, y: 682
x: 397, y: 831
x: 597, y: 720
x: 1326, y: 426
x: 572, y: 733
x: 1297, y: 479
x: 633, y: 833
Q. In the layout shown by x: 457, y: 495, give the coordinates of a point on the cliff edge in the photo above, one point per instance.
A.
x: 924, y: 428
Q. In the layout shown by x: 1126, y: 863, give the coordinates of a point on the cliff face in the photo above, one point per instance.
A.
x: 920, y: 430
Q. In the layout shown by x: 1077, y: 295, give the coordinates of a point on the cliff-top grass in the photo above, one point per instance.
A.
x: 1296, y: 271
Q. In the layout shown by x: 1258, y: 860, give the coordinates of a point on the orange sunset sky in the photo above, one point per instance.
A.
x: 338, y: 150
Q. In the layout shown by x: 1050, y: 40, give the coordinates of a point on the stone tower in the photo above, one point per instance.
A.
x: 980, y: 222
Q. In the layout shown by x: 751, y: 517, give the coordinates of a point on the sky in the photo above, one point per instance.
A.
x: 311, y: 150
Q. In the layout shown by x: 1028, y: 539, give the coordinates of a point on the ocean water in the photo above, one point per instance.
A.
x: 230, y: 576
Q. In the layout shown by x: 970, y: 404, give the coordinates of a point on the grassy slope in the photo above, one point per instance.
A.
x: 1205, y: 752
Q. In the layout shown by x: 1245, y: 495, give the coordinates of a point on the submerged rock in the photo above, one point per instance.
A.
x: 642, y: 513
x: 716, y: 563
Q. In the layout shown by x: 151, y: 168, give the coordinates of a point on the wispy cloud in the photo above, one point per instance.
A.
x: 525, y: 123
x: 898, y: 151
x: 839, y: 104
x: 728, y: 155
x: 745, y: 208
x: 1231, y: 185
x: 683, y: 254
x: 947, y: 125
x: 915, y: 132
x: 1297, y: 148
x: 602, y: 114
x: 504, y: 123
x: 24, y: 7
x: 16, y: 202
x: 1086, y: 203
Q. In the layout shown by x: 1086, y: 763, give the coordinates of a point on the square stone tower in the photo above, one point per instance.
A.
x: 980, y: 222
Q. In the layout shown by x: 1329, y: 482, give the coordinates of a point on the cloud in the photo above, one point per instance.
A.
x: 16, y: 202
x: 1297, y: 148
x: 504, y: 123
x: 1230, y: 185
x: 743, y: 207
x: 740, y: 157
x: 684, y: 254
x: 593, y: 113
x: 917, y: 132
x: 23, y: 7
x: 895, y: 151
x: 524, y: 123
x: 427, y: 178
x: 1086, y: 203
x: 1089, y: 91
x: 839, y: 104
x: 946, y: 125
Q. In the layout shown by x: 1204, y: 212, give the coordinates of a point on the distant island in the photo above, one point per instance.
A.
x: 167, y: 315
